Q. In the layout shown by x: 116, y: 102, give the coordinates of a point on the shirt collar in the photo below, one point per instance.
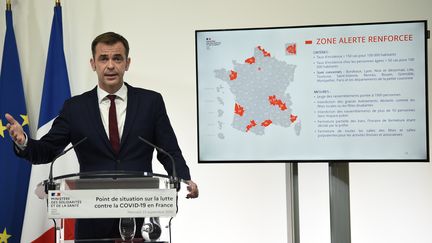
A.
x: 121, y: 93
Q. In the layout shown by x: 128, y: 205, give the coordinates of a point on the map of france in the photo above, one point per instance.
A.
x: 259, y: 85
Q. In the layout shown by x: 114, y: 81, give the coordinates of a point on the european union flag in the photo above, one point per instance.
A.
x: 14, y: 172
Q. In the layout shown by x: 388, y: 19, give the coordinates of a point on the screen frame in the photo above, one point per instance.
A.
x: 426, y: 36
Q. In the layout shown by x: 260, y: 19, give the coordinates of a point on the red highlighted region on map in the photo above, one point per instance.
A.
x: 266, y: 123
x: 293, y: 118
x: 238, y: 109
x: 265, y: 53
x: 277, y: 102
x: 250, y: 60
x: 251, y: 124
x: 291, y: 49
x: 233, y: 75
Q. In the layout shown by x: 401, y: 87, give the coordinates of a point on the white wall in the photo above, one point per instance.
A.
x: 246, y: 202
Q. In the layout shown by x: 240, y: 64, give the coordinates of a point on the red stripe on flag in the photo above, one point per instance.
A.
x: 308, y: 42
x: 69, y: 229
x: 47, y: 237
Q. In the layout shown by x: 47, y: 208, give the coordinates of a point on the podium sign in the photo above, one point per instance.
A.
x: 112, y: 203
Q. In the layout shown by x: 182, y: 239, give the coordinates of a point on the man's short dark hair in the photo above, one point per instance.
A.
x: 109, y: 38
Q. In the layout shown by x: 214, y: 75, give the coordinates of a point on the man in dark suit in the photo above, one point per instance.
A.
x: 110, y: 145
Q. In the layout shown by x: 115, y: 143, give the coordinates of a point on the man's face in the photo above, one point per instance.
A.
x: 110, y: 63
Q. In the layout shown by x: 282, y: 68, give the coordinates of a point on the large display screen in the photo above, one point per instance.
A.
x: 352, y: 92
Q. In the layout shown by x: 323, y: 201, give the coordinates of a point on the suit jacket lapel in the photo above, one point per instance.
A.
x: 131, y: 112
x: 94, y: 116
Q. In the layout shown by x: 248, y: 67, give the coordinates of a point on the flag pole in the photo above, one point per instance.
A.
x: 8, y: 5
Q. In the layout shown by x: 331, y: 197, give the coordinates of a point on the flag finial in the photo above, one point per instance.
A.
x: 57, y: 2
x: 8, y: 5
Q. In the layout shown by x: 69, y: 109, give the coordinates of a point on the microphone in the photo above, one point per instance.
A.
x: 174, y: 179
x: 51, y: 184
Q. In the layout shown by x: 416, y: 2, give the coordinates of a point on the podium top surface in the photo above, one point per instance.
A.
x: 135, y: 240
x: 113, y: 183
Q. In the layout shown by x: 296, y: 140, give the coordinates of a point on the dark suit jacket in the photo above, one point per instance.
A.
x: 80, y: 117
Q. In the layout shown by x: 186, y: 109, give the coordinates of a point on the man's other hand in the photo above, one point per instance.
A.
x: 193, y: 189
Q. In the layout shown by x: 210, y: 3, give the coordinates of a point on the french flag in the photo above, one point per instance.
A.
x: 37, y: 228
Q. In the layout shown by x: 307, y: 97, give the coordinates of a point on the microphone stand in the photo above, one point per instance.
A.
x: 51, y: 184
x: 173, y: 180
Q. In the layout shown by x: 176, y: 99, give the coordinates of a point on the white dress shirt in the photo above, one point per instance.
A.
x: 104, y: 105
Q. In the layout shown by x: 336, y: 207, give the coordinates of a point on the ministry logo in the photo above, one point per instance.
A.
x: 211, y: 43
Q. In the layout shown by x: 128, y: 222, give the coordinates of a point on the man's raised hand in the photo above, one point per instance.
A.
x: 15, y: 130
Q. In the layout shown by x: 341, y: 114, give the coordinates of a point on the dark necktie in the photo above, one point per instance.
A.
x: 113, y: 127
